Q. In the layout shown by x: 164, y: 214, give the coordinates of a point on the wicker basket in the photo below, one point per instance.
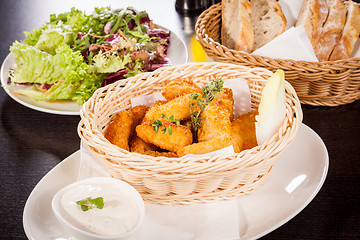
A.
x: 188, y: 179
x: 330, y: 83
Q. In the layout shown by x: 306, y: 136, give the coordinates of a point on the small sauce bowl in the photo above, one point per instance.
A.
x: 121, y: 216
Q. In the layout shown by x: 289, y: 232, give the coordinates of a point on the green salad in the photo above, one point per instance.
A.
x: 75, y: 53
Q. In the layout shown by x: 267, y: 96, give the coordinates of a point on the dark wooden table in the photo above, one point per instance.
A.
x: 33, y: 142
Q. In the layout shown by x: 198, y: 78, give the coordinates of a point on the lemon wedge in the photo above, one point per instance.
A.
x: 271, y: 108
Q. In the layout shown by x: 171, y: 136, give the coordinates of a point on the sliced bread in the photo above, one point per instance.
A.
x: 322, y: 11
x: 267, y: 20
x: 331, y: 31
x: 309, y: 17
x: 349, y: 34
x: 236, y: 30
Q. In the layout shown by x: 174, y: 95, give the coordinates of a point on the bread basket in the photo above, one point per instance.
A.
x: 190, y: 179
x: 329, y: 83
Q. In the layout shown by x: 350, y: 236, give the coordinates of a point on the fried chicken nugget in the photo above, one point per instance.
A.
x: 180, y: 87
x: 215, y: 130
x: 138, y: 113
x: 215, y: 121
x: 123, y: 126
x: 216, y: 117
x: 243, y: 132
x: 180, y: 136
x: 178, y: 107
x: 205, y: 147
x: 140, y: 146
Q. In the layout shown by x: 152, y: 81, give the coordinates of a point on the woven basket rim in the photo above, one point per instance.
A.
x: 211, y: 161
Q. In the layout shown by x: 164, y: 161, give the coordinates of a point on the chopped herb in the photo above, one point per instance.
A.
x: 157, y: 124
x: 89, y: 203
x: 198, y: 104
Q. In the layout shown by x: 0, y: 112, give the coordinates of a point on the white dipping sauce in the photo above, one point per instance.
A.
x: 119, y: 215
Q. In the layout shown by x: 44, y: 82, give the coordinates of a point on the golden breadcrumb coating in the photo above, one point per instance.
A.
x: 243, y: 132
x: 123, y: 126
x: 180, y: 136
x: 178, y: 107
x: 215, y: 130
x: 140, y: 146
x: 205, y: 147
x: 180, y: 87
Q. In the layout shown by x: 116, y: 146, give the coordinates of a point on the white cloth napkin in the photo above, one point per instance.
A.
x: 291, y: 9
x: 356, y: 50
x: 292, y: 44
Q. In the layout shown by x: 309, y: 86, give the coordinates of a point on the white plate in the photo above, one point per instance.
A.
x: 298, y: 175
x: 177, y: 53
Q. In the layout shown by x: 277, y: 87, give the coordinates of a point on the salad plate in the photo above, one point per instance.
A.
x: 177, y: 54
x: 297, y: 177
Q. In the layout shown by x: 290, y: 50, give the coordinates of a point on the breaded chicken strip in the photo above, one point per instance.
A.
x: 205, y: 147
x: 123, y: 126
x: 215, y: 129
x: 138, y: 113
x: 140, y: 146
x: 215, y: 121
x: 178, y: 107
x: 180, y: 87
x: 243, y: 132
x: 228, y: 96
x: 216, y: 117
x: 180, y: 136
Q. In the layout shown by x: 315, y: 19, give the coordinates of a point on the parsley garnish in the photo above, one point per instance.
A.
x: 199, y: 103
x: 89, y: 203
x: 157, y: 124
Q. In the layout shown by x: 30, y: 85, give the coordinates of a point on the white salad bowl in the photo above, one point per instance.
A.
x: 90, y: 187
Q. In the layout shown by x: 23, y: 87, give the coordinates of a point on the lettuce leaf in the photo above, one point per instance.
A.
x: 69, y: 76
x: 110, y: 63
x: 50, y: 39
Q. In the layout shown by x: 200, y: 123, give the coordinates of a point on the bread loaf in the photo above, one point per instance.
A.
x: 331, y: 31
x: 247, y: 26
x: 350, y: 33
x: 322, y: 8
x: 309, y: 17
x: 267, y: 20
x: 236, y: 31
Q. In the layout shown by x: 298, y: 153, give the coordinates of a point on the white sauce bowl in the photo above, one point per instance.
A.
x: 120, y: 218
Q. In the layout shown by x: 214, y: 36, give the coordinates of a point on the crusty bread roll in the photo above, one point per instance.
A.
x: 236, y: 31
x: 322, y: 8
x: 331, y: 31
x: 350, y: 33
x: 309, y: 17
x: 267, y: 20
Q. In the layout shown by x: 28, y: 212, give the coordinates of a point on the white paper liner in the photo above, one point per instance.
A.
x: 146, y: 100
x: 210, y: 221
x: 241, y: 95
